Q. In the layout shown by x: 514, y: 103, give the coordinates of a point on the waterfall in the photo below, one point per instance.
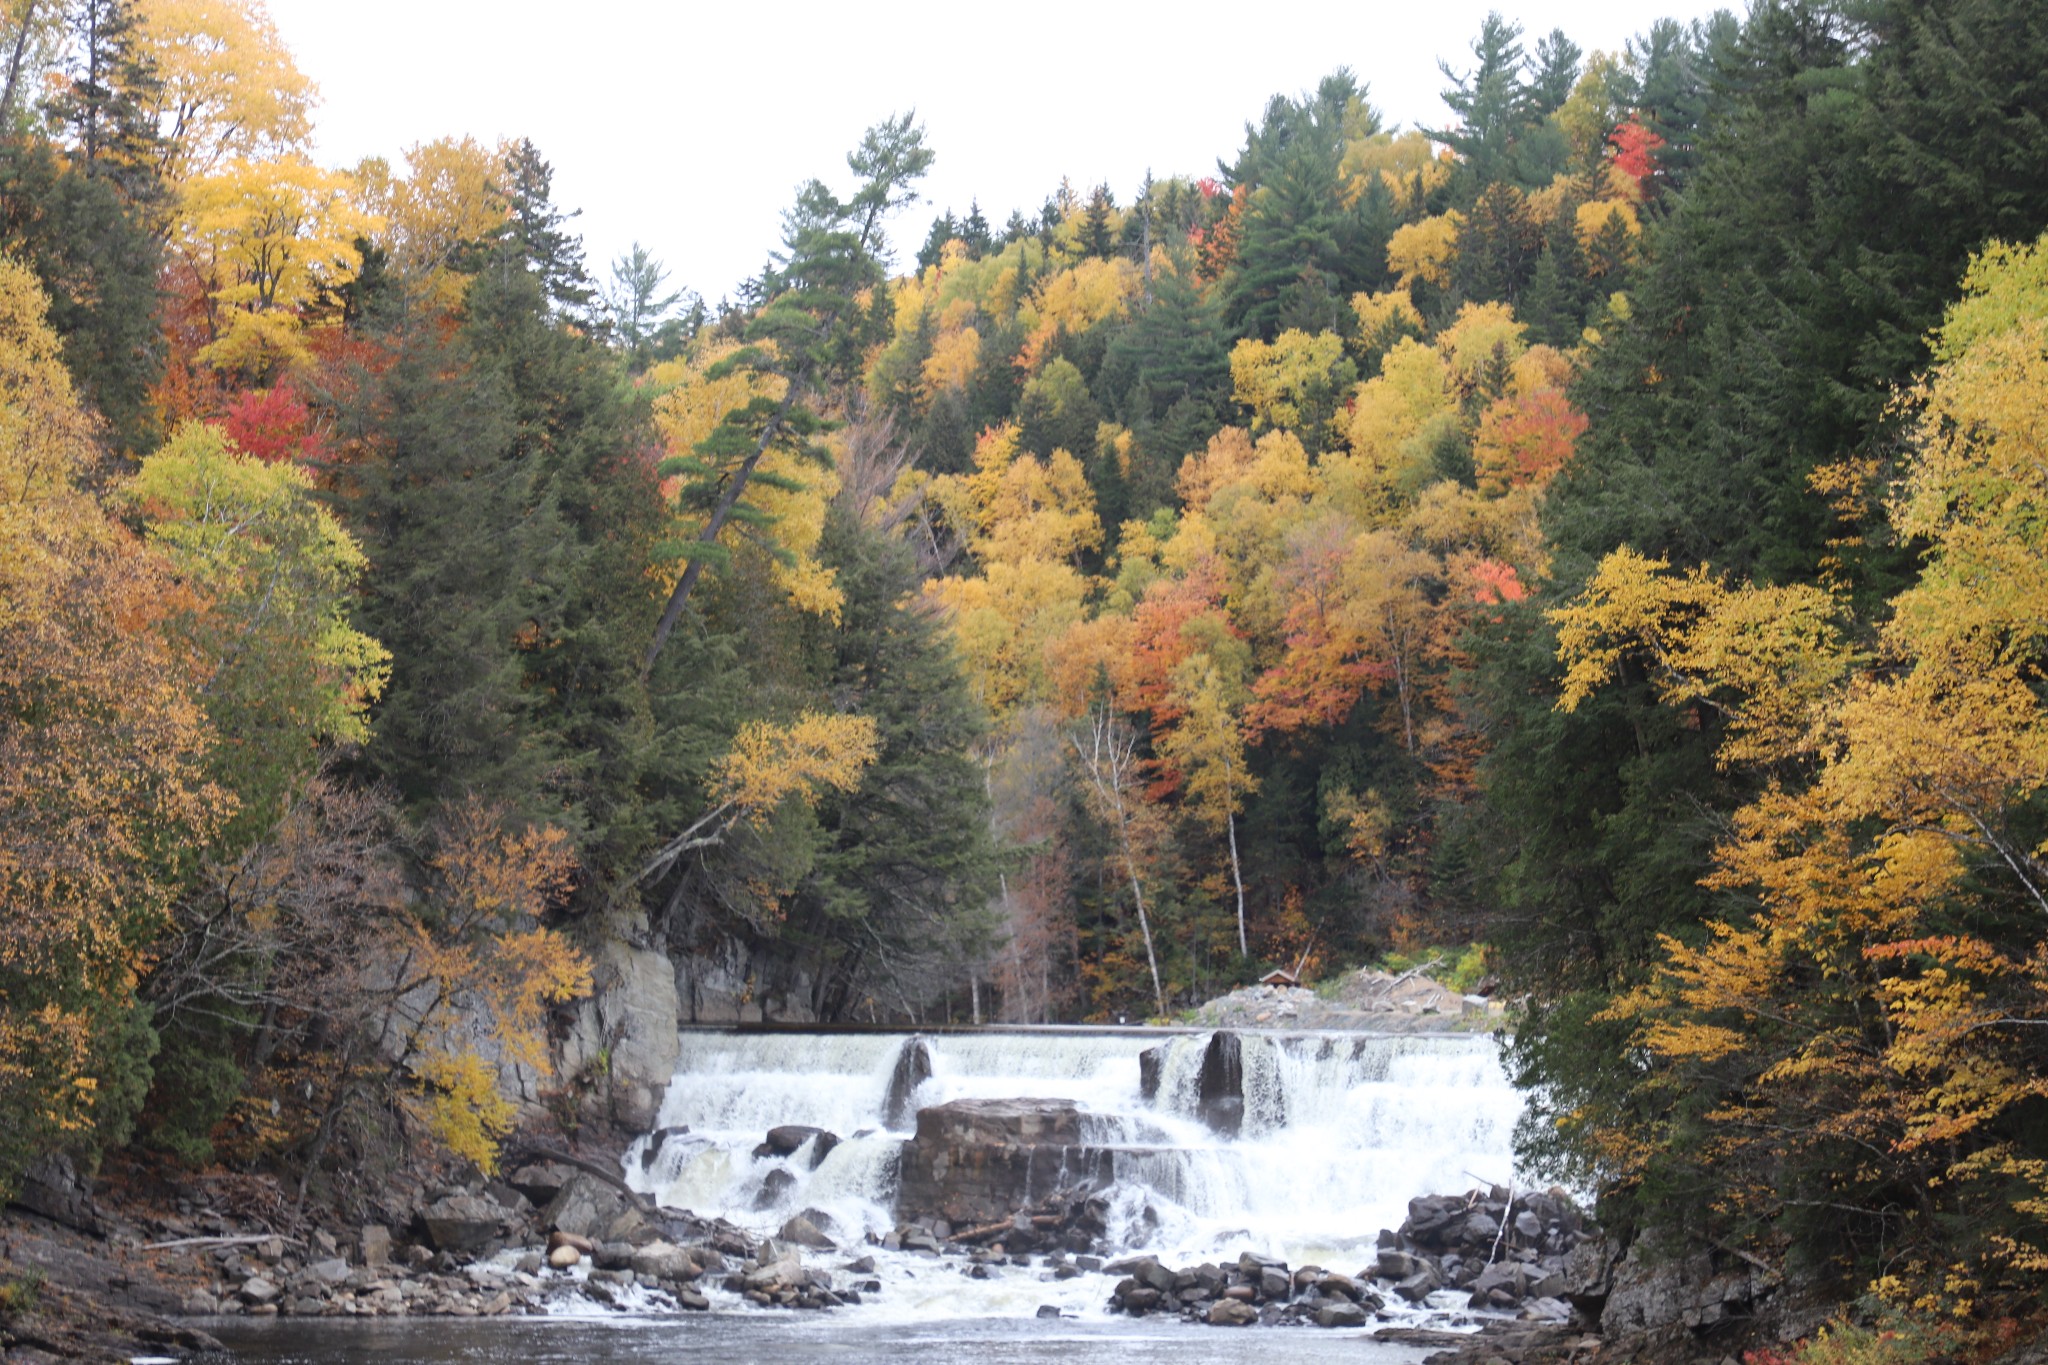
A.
x: 1338, y: 1130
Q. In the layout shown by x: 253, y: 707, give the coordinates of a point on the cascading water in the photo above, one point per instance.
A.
x: 1337, y: 1131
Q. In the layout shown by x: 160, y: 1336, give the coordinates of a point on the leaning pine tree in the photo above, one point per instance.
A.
x: 806, y: 336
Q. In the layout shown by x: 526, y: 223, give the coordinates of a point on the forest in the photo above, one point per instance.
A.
x: 1609, y: 529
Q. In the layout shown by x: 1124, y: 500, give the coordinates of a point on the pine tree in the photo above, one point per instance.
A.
x: 96, y: 257
x: 895, y: 902
x: 536, y: 231
x: 1096, y: 239
x: 807, y: 334
x: 106, y: 103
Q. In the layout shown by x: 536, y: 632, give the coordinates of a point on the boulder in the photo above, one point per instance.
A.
x: 1419, y: 1286
x: 804, y: 1233
x: 375, y: 1244
x: 331, y: 1271
x: 541, y: 1181
x: 774, y: 1185
x: 1232, y: 1313
x: 663, y: 1261
x: 788, y: 1139
x: 563, y: 1257
x: 461, y: 1222
x: 1340, y: 1313
x: 976, y: 1162
x: 913, y: 1069
x: 585, y: 1206
x: 257, y: 1290
x: 613, y: 1256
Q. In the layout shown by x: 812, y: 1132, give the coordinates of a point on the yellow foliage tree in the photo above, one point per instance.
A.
x: 1874, y: 1035
x: 260, y: 240
x: 103, y: 787
x: 1424, y: 250
x: 228, y: 88
x: 448, y: 202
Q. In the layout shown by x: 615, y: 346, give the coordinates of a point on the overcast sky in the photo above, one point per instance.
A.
x: 687, y: 127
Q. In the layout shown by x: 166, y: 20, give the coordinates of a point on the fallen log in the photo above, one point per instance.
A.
x: 245, y: 1239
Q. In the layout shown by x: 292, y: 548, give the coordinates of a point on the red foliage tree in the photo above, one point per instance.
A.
x: 271, y: 424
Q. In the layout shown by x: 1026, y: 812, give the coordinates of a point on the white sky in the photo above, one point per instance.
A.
x: 687, y: 127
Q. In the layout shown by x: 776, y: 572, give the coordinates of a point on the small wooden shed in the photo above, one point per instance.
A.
x: 1279, y: 976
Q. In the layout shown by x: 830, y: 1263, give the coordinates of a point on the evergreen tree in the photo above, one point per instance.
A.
x: 537, y: 231
x: 974, y: 232
x: 642, y: 313
x: 811, y: 324
x: 1096, y: 239
x: 1493, y: 108
x: 98, y: 261
x: 106, y: 101
x: 1298, y: 238
x: 896, y: 899
x: 943, y: 230
x: 462, y: 537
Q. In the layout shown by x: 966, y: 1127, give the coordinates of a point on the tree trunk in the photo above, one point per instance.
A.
x: 1237, y: 877
x: 28, y: 17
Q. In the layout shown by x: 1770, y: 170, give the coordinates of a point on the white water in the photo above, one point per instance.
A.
x: 1340, y: 1131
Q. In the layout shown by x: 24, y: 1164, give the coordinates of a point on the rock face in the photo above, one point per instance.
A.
x: 975, y: 1162
x: 1150, y: 1064
x: 1653, y: 1290
x: 1221, y: 1092
x: 913, y: 1068
x: 52, y: 1187
x: 628, y: 1030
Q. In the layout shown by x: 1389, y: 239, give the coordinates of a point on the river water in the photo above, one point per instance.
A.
x: 792, y: 1339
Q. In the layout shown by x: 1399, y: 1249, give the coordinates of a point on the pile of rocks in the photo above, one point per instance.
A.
x: 1501, y: 1251
x: 778, y: 1278
x: 1369, y: 999
x: 1073, y: 1219
x: 1256, y: 1289
x: 1506, y: 1250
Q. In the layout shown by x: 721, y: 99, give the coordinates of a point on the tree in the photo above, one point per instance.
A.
x: 439, y: 221
x: 804, y: 334
x: 100, y: 264
x: 535, y: 231
x: 227, y: 86
x: 642, y: 314
x: 104, y: 794
x: 108, y: 101
x: 895, y: 899
x: 268, y: 576
x: 262, y: 241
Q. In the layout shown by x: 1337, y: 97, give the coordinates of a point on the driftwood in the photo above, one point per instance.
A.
x: 243, y: 1240
x: 989, y: 1232
x: 640, y: 1201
